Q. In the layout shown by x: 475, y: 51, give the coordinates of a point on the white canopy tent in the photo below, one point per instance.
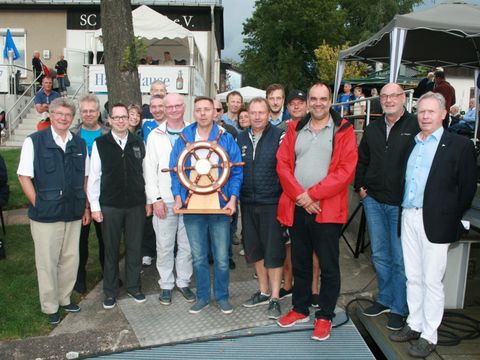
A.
x: 161, y: 34
x: 248, y: 93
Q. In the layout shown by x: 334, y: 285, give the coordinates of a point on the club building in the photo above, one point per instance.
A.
x: 191, y: 31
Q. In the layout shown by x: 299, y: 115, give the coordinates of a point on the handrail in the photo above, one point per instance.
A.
x: 13, y: 122
x: 367, y: 100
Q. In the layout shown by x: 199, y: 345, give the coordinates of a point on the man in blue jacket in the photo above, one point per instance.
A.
x: 199, y: 226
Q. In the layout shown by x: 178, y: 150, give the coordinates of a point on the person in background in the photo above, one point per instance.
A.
x: 167, y: 58
x: 466, y: 124
x: 159, y: 88
x: 448, y: 92
x: 275, y: 94
x: 37, y: 66
x: 243, y: 119
x: 358, y: 107
x: 234, y: 103
x: 61, y: 67
x: 157, y: 109
x: 135, y: 120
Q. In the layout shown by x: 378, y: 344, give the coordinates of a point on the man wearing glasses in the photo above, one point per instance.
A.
x: 168, y: 226
x: 116, y: 191
x: 382, y: 152
x: 88, y: 129
x: 52, y: 173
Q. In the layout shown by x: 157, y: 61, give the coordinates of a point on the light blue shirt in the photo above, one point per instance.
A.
x: 231, y: 122
x: 148, y: 126
x: 469, y: 118
x: 418, y: 168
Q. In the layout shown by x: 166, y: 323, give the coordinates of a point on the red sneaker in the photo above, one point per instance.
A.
x: 292, y: 318
x: 322, y: 328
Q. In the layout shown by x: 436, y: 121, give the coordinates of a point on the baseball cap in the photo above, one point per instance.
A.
x: 296, y: 94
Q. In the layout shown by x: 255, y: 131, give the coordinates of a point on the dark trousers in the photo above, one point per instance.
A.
x: 130, y: 223
x: 149, y: 241
x: 83, y: 248
x: 308, y: 236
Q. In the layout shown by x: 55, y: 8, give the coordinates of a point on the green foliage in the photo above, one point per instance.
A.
x: 327, y: 57
x: 282, y: 35
x: 17, y: 198
x: 365, y: 17
x: 21, y: 315
x: 132, y: 54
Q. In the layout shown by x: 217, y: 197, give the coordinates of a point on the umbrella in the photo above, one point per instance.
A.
x: 10, y: 45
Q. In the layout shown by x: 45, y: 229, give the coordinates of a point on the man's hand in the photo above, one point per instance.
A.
x: 160, y: 209
x: 97, y: 216
x: 231, y: 206
x: 362, y: 192
x: 148, y: 210
x: 304, y: 200
x: 178, y: 203
x: 86, y: 218
x: 313, y: 208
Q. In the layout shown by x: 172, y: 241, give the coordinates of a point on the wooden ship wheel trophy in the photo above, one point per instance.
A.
x: 207, y: 176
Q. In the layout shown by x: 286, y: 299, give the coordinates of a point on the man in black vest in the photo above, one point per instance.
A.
x: 52, y: 170
x: 263, y: 234
x: 116, y: 190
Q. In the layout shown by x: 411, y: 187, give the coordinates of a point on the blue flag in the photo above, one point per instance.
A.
x: 10, y: 45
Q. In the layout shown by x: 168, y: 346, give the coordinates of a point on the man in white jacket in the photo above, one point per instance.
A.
x: 168, y: 226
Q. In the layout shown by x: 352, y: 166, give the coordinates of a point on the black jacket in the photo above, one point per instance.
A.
x: 261, y: 185
x: 380, y: 162
x: 450, y: 188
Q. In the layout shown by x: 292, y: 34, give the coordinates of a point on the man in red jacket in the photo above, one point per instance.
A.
x: 315, y: 163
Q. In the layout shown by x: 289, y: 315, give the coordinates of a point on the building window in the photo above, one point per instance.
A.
x: 20, y: 40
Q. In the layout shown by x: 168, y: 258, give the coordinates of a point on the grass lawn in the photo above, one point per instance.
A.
x: 17, y: 199
x: 19, y: 303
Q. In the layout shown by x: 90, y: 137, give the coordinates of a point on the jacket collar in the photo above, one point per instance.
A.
x: 338, y: 121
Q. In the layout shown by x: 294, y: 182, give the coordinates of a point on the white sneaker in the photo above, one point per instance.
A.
x: 147, y: 260
x: 242, y: 252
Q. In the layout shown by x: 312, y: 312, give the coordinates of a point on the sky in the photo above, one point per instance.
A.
x: 237, y: 11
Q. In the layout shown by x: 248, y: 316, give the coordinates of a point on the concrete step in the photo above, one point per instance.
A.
x: 13, y: 144
x: 25, y: 131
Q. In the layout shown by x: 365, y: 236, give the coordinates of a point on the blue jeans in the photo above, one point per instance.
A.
x: 387, y: 255
x: 218, y: 227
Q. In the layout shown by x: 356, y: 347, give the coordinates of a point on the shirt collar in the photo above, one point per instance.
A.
x: 329, y: 124
x: 435, y: 136
x: 58, y: 137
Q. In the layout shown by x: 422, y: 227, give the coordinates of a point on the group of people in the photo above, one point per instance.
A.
x: 293, y: 190
x: 41, y: 70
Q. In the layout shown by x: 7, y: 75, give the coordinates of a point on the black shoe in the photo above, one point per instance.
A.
x: 138, y: 297
x: 376, y: 309
x: 284, y: 293
x: 231, y: 264
x: 109, y: 303
x: 188, y: 294
x: 314, y: 300
x: 421, y: 349
x: 53, y: 319
x: 71, y: 308
x: 404, y: 335
x: 80, y: 287
x: 395, y: 322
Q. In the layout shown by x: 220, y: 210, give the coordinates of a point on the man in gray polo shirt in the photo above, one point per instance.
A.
x: 316, y: 163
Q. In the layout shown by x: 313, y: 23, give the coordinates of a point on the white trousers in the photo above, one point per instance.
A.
x: 425, y: 265
x: 56, y: 260
x: 166, y: 231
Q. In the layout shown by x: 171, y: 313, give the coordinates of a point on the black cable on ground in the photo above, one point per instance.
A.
x: 454, y: 328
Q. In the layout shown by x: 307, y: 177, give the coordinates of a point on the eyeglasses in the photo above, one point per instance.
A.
x: 173, y: 107
x: 219, y: 109
x: 390, y: 96
x: 63, y: 115
x: 117, y: 118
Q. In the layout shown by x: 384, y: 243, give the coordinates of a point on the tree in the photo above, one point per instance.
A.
x: 365, y: 17
x: 122, y: 52
x: 281, y: 37
x: 327, y: 57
